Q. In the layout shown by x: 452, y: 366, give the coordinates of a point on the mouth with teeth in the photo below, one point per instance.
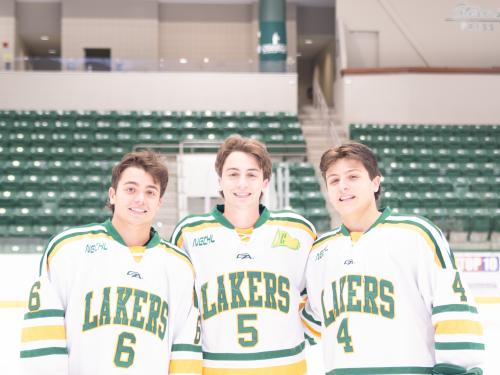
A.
x: 138, y: 211
x: 241, y: 195
x: 346, y: 198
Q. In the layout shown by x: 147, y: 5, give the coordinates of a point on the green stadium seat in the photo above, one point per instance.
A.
x: 301, y: 169
x: 93, y: 198
x: 460, y: 219
x: 314, y: 199
x: 6, y: 215
x: 441, y: 184
x: 71, y: 199
x: 26, y: 198
x: 46, y: 216
x: 43, y: 231
x: 480, y: 220
x: 410, y: 200
x: 430, y: 199
x: 296, y: 201
x: 390, y: 199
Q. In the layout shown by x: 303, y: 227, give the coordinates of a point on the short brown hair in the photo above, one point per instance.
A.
x: 249, y: 146
x: 351, y: 150
x: 151, y: 162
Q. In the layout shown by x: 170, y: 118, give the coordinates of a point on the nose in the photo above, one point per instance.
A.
x: 242, y: 181
x: 343, y: 184
x: 139, y: 197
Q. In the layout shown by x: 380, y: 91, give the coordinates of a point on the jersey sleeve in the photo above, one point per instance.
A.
x: 43, y: 337
x: 312, y: 325
x: 186, y: 355
x: 458, y: 330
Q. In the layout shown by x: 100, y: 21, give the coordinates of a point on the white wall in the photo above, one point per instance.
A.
x: 152, y: 91
x: 421, y: 33
x: 422, y: 98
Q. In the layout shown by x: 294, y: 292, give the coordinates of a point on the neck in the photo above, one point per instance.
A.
x: 361, y: 222
x: 133, y: 235
x: 242, y: 217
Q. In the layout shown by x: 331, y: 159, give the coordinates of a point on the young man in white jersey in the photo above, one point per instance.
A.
x: 384, y: 287
x: 114, y: 298
x: 249, y: 265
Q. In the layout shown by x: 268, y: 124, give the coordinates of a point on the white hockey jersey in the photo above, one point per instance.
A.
x: 249, y: 292
x: 392, y: 302
x: 100, y: 307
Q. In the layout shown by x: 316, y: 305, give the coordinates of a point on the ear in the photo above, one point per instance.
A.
x: 111, y: 195
x: 265, y: 184
x: 376, y: 184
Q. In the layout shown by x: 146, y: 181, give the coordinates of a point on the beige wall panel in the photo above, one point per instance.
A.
x: 129, y: 39
x: 420, y: 33
x: 7, y: 34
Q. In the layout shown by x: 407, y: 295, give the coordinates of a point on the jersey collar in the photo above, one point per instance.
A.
x: 218, y: 214
x: 154, y: 237
x: 385, y: 212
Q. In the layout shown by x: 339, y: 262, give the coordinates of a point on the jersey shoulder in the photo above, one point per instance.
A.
x: 427, y: 231
x: 192, y: 223
x: 327, y: 237
x: 176, y: 252
x: 292, y: 219
x: 59, y: 241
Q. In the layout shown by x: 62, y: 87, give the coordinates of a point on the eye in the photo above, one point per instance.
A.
x: 129, y: 189
x: 353, y: 176
x: 151, y: 193
x: 333, y: 181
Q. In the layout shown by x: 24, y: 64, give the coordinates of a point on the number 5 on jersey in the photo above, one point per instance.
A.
x: 247, y: 335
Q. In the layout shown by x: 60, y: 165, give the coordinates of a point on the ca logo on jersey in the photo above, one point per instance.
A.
x: 244, y: 256
x: 283, y: 238
x: 203, y: 240
x: 134, y: 274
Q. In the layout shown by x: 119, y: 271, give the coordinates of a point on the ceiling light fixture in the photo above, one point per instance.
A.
x: 44, y: 37
x: 308, y: 41
x: 183, y: 60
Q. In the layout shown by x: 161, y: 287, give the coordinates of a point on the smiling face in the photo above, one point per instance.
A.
x: 350, y: 188
x: 242, y: 181
x: 136, y: 198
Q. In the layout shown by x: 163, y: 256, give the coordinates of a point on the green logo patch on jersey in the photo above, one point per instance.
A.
x: 283, y: 238
x: 203, y: 240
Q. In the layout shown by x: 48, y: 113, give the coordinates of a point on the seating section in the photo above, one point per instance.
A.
x: 305, y: 195
x: 448, y: 173
x: 56, y: 165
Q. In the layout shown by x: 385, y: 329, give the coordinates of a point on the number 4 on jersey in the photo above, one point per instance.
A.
x: 343, y: 337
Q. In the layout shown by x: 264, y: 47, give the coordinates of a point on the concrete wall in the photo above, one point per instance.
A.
x: 129, y: 28
x: 221, y: 33
x: 7, y: 33
x: 324, y: 71
x: 426, y: 32
x: 153, y: 91
x: 422, y: 98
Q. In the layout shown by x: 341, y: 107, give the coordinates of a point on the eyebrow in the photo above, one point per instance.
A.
x: 348, y: 171
x: 136, y: 184
x: 248, y: 170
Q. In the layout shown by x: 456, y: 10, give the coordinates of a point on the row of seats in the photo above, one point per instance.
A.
x: 440, y: 183
x: 459, y: 219
x: 398, y: 153
x: 40, y: 115
x: 356, y: 130
x: 448, y: 173
x: 449, y: 199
